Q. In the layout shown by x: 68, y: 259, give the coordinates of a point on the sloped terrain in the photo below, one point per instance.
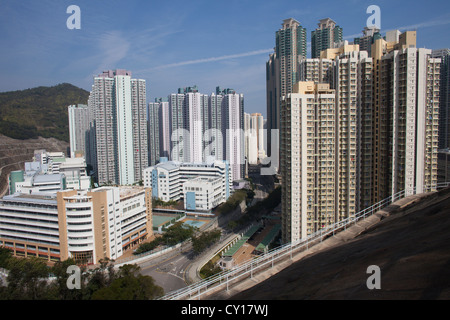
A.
x: 411, y: 246
x: 39, y: 112
x: 14, y: 153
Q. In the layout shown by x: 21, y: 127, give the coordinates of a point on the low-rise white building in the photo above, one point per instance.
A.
x: 167, y: 178
x: 202, y: 194
x: 50, y: 172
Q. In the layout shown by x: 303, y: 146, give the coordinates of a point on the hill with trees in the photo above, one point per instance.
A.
x: 40, y: 111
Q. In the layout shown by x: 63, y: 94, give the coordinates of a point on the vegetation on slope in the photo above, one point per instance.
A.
x: 40, y: 111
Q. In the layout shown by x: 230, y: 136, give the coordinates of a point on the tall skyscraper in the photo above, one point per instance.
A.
x: 91, y: 139
x: 197, y: 119
x: 326, y: 36
x: 308, y: 160
x: 204, y: 125
x: 188, y: 111
x: 154, y: 143
x: 164, y: 128
x: 78, y: 126
x: 214, y: 134
x: 406, y: 107
x: 272, y: 98
x: 233, y: 133
x: 444, y: 97
x: 139, y: 126
x: 290, y: 49
x: 410, y: 86
x: 385, y: 116
x: 349, y: 71
x: 282, y: 70
x: 120, y: 125
x: 353, y: 84
x: 179, y: 137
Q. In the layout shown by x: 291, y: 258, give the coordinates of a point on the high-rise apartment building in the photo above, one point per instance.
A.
x: 405, y: 115
x: 91, y: 139
x: 349, y: 71
x: 250, y: 145
x: 326, y: 36
x: 444, y: 97
x: 203, y: 125
x: 153, y: 123
x: 317, y: 70
x: 119, y: 109
x: 196, y: 105
x: 308, y: 160
x: 386, y: 116
x: 164, y: 128
x: 282, y: 70
x: 188, y: 113
x: 214, y: 133
x: 233, y: 132
x: 290, y: 49
x: 410, y: 86
x: 272, y: 98
x: 353, y: 94
x: 78, y: 126
x: 139, y: 126
x: 178, y: 124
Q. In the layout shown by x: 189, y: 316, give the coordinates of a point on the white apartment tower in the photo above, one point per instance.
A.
x: 233, y: 119
x: 214, y: 133
x: 194, y: 104
x: 139, y: 126
x: 178, y: 122
x: 153, y: 130
x: 120, y: 125
x: 410, y: 84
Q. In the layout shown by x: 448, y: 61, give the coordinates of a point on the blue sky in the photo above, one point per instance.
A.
x: 174, y: 44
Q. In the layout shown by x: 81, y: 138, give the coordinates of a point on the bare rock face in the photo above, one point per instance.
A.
x: 411, y: 247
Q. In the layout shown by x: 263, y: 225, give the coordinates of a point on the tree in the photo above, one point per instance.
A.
x: 205, y: 240
x: 59, y: 288
x: 100, y: 278
x: 5, y: 256
x: 27, y: 279
x: 175, y: 234
x: 129, y: 285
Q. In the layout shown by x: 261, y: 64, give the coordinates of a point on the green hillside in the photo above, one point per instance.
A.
x: 40, y: 111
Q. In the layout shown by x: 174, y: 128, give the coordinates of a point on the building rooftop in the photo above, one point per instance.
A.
x: 48, y: 178
x: 204, y: 179
x: 38, y: 197
x: 126, y: 191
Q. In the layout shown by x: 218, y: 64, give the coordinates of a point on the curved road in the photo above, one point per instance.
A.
x: 177, y: 269
x: 169, y: 271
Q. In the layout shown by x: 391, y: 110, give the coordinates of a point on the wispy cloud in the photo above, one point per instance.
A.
x: 211, y: 59
x: 431, y: 23
x: 427, y: 24
x: 114, y: 47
